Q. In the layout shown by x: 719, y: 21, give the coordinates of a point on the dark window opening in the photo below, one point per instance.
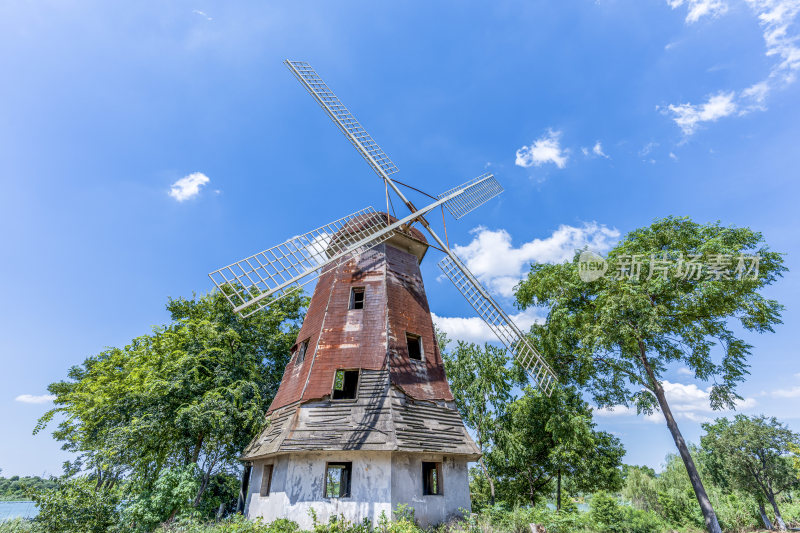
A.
x: 357, y: 298
x: 266, y: 480
x: 414, y: 343
x: 345, y: 385
x: 302, y: 348
x: 431, y: 478
x: 337, y: 480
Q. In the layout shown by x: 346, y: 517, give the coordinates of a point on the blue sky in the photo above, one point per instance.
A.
x: 596, y: 116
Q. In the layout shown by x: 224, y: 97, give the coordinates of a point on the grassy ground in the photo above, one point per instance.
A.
x: 516, y: 521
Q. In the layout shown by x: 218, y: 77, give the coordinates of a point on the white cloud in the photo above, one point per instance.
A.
x: 617, y: 411
x: 777, y: 19
x: 545, y: 149
x: 673, y: 156
x: 495, y: 261
x: 614, y: 410
x: 202, y: 14
x: 598, y: 150
x: 700, y: 8
x: 794, y: 392
x: 688, y: 402
x: 30, y: 398
x: 685, y: 371
x: 689, y: 116
x: 755, y: 96
x: 188, y: 186
x: 647, y: 148
x: 474, y: 329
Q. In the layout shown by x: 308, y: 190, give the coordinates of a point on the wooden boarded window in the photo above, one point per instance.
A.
x: 302, y: 348
x: 266, y: 480
x: 414, y: 343
x: 431, y: 478
x: 345, y: 385
x: 337, y: 480
x: 357, y: 298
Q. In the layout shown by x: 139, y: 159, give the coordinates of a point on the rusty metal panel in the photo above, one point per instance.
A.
x: 408, y: 312
x: 401, y: 404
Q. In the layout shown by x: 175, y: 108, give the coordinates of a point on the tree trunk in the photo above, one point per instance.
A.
x: 198, y: 446
x: 171, y: 516
x: 240, y: 503
x: 558, y: 491
x: 778, y: 517
x: 709, y: 516
x: 489, y: 479
x: 764, y: 517
x: 203, y: 487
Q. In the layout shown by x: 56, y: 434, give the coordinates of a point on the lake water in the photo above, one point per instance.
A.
x: 9, y: 510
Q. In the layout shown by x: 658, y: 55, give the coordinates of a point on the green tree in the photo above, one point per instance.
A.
x: 640, y: 487
x: 676, y: 498
x: 19, y: 488
x: 482, y: 385
x: 617, y: 335
x: 753, y: 454
x: 544, y: 439
x: 191, y: 394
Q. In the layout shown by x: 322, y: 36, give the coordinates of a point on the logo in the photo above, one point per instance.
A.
x: 591, y: 266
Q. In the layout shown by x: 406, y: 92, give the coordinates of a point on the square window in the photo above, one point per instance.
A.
x: 301, y: 352
x: 431, y: 478
x: 357, y: 298
x: 266, y: 480
x: 414, y: 343
x: 345, y: 385
x: 337, y: 480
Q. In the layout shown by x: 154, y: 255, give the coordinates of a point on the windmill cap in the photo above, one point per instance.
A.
x: 410, y: 240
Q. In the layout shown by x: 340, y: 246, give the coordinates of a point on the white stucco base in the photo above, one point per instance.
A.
x: 380, y: 482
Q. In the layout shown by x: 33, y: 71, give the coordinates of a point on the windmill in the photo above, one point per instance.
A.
x: 259, y: 280
x: 400, y: 422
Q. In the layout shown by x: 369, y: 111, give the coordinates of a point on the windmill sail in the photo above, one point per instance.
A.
x: 343, y: 118
x: 479, y: 191
x: 499, y: 322
x: 258, y: 280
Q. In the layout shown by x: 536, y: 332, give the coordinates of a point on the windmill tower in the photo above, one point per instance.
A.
x: 364, y: 419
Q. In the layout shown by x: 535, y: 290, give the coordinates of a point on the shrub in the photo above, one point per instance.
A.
x: 339, y: 524
x: 75, y: 505
x: 17, y: 525
x: 606, y: 512
x: 231, y: 524
x: 791, y: 512
x: 500, y: 519
x: 223, y: 490
x: 639, y: 521
x: 737, y: 512
x: 170, y: 496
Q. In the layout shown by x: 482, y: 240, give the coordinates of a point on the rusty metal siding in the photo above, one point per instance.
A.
x: 395, y: 303
x: 351, y: 338
x: 402, y: 404
x: 295, y: 376
x: 409, y: 312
